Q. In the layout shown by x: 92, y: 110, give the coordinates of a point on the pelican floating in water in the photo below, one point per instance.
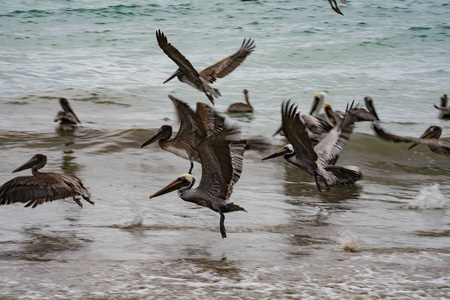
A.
x: 316, y: 160
x: 67, y: 118
x: 241, y: 107
x: 42, y: 187
x: 430, y: 137
x: 194, y: 127
x: 202, y: 80
x: 335, y: 7
x: 221, y: 169
x: 444, y: 111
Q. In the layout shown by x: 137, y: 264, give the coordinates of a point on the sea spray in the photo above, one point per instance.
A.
x: 429, y: 197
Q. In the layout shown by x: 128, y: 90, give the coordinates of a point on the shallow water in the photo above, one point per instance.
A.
x: 385, y: 237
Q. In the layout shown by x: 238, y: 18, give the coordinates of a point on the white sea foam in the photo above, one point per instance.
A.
x: 348, y: 242
x: 429, y: 197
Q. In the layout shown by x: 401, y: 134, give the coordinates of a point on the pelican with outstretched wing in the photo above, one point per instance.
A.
x: 194, y: 127
x: 222, y: 161
x: 67, y: 118
x: 444, y: 110
x: 201, y: 80
x: 42, y: 187
x: 316, y: 160
x: 430, y: 138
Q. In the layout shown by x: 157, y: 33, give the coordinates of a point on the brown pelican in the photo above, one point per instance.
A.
x: 42, y: 187
x: 194, y: 127
x: 202, y: 80
x: 241, y: 107
x: 316, y: 160
x: 430, y: 137
x: 221, y: 169
x: 361, y: 114
x: 444, y: 111
x: 66, y: 117
x: 335, y: 7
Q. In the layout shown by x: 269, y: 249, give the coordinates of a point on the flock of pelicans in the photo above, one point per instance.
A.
x: 315, y: 141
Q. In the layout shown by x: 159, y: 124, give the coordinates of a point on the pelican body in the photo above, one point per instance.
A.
x: 430, y: 138
x: 42, y: 187
x: 202, y: 80
x: 240, y: 107
x: 67, y: 118
x: 194, y: 127
x: 444, y: 110
x: 316, y: 160
x: 221, y: 169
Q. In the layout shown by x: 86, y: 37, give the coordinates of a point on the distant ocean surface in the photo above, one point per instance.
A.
x: 294, y: 242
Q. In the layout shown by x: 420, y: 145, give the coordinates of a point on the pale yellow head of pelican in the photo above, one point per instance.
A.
x: 317, y: 103
x: 182, y: 181
x: 330, y: 116
x: 288, y: 149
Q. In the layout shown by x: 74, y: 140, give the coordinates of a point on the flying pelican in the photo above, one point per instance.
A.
x: 202, y: 80
x: 42, y: 187
x: 430, y: 137
x: 241, y: 107
x: 444, y: 111
x: 194, y: 127
x: 67, y: 118
x: 335, y: 7
x: 316, y: 160
x: 361, y: 114
x: 221, y: 168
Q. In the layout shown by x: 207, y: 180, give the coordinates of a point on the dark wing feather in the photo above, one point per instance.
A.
x: 336, y: 139
x: 227, y: 65
x: 211, y: 121
x: 40, y: 188
x: 295, y: 132
x: 221, y: 165
x: 183, y: 63
x: 191, y: 129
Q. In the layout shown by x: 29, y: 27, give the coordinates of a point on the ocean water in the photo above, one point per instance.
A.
x: 387, y: 236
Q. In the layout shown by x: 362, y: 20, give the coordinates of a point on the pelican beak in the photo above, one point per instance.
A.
x: 277, y: 153
x: 177, y: 72
x: 278, y: 131
x: 155, y: 137
x: 67, y: 108
x: 426, y: 135
x: 174, y: 185
x: 371, y: 107
x: 29, y: 164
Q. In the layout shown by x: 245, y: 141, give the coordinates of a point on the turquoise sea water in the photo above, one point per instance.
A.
x: 103, y: 56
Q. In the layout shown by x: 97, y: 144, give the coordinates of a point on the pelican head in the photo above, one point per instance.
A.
x: 369, y: 104
x: 163, y: 134
x: 176, y: 74
x: 330, y: 116
x: 35, y: 163
x: 317, y: 103
x: 67, y: 108
x: 288, y: 149
x: 433, y: 132
x: 182, y: 181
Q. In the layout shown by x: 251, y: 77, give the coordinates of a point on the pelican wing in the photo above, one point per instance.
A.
x: 183, y: 63
x: 434, y: 143
x: 316, y: 125
x: 211, y: 121
x: 191, y: 130
x: 296, y: 133
x: 335, y: 141
x: 227, y: 65
x: 222, y: 162
x: 335, y: 7
x: 41, y: 188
